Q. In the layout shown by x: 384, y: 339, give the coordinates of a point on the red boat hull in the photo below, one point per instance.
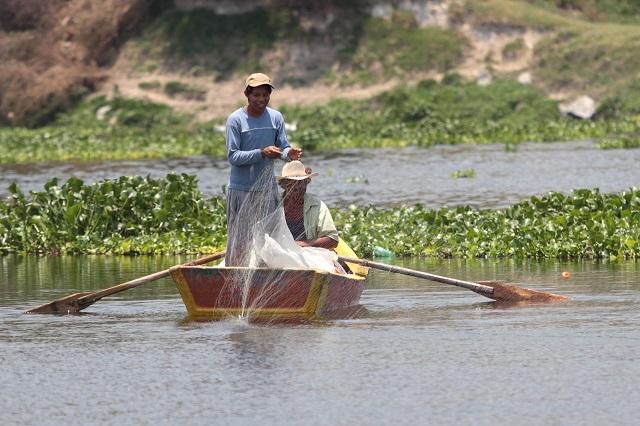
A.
x: 267, y: 294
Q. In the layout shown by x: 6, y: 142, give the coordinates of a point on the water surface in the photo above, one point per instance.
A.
x: 387, y: 177
x: 423, y: 352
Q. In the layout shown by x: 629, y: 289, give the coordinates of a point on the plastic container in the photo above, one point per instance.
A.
x: 382, y: 252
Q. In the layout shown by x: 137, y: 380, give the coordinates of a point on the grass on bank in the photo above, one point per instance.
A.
x: 622, y: 11
x: 142, y: 215
x: 596, y: 56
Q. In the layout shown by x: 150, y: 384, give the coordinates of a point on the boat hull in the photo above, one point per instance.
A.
x: 211, y: 293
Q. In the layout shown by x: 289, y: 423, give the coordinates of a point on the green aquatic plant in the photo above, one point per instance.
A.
x: 357, y: 179
x: 20, y: 145
x: 425, y: 115
x: 111, y: 129
x: 466, y: 173
x: 585, y: 224
x: 129, y: 215
x: 622, y: 141
x: 453, y: 112
x: 142, y: 215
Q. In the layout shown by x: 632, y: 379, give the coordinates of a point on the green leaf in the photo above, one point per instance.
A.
x: 72, y: 213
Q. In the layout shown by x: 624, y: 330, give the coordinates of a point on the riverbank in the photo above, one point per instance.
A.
x: 192, y: 55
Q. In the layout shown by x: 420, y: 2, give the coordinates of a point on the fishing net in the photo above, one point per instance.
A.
x: 261, y: 237
x: 263, y: 246
x: 274, y: 246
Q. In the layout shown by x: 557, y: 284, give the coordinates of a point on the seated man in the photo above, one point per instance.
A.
x: 308, y: 218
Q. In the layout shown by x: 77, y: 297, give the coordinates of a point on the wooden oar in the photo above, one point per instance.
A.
x: 495, y: 290
x: 76, y: 302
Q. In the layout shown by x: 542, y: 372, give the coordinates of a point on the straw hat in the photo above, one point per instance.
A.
x: 258, y: 79
x: 295, y: 170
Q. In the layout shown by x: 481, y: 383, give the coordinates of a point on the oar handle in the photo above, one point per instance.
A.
x: 478, y: 288
x: 91, y: 298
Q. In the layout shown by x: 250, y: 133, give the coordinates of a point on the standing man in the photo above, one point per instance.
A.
x: 255, y: 136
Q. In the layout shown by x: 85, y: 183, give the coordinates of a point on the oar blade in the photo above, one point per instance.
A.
x: 503, y: 292
x: 66, y: 305
x: 76, y: 302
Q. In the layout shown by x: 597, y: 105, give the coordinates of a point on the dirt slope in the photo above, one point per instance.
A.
x: 53, y: 52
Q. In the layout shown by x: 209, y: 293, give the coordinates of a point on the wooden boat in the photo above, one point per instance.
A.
x: 268, y: 295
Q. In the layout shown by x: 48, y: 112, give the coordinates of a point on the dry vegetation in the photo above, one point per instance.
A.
x: 51, y: 51
x: 54, y: 51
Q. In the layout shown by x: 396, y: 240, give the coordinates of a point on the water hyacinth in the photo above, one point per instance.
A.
x: 623, y: 141
x: 142, y: 215
x: 426, y: 115
x: 446, y: 113
x: 462, y: 174
x: 130, y: 215
x: 585, y: 224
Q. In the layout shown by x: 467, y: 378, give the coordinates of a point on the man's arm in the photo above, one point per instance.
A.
x: 236, y: 156
x: 324, y: 242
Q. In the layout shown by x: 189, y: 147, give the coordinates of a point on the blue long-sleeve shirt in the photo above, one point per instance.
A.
x: 246, y: 136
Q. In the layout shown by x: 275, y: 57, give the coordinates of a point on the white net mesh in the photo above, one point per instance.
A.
x: 263, y: 242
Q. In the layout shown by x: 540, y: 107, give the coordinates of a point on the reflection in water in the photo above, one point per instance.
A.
x: 424, y: 352
x: 26, y: 277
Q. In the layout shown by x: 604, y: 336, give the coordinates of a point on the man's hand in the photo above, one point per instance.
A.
x: 295, y: 154
x: 271, y: 152
x: 303, y: 244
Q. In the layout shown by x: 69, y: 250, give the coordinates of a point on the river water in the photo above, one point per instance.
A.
x: 387, y: 177
x: 421, y: 353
